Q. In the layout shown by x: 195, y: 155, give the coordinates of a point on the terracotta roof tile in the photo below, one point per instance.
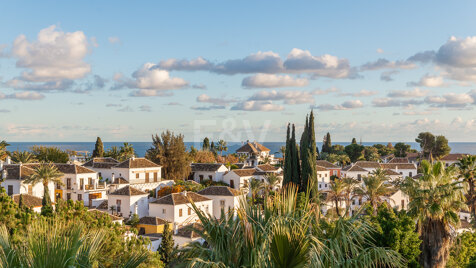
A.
x: 399, y: 160
x: 252, y: 148
x: 267, y: 167
x: 326, y: 164
x: 152, y: 220
x: 220, y: 191
x: 137, y: 163
x: 453, y: 157
x: 30, y: 201
x: 188, y: 231
x: 101, y: 162
x: 181, y: 198
x: 103, y: 205
x: 128, y: 190
x: 398, y: 165
x: 367, y: 164
x: 205, y: 167
x: 356, y: 168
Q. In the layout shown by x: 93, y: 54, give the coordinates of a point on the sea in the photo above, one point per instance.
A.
x: 141, y: 147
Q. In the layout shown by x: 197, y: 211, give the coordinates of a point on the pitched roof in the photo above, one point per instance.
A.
x: 452, y: 157
x: 319, y: 168
x: 120, y: 180
x: 128, y: 190
x: 255, y: 147
x: 103, y: 205
x: 65, y: 168
x: 247, y: 172
x: 152, y: 220
x: 205, y: 166
x: 267, y: 167
x: 180, y: 198
x: 399, y: 160
x: 29, y: 201
x: 390, y: 172
x: 398, y: 166
x: 188, y: 231
x: 101, y: 162
x: 367, y: 164
x: 326, y: 164
x: 220, y: 191
x: 356, y: 168
x: 17, y: 172
x: 137, y: 163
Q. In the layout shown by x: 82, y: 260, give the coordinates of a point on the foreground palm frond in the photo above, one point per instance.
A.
x: 279, y: 234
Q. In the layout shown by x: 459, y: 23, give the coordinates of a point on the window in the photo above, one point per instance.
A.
x: 68, y: 183
x: 81, y: 184
x: 90, y: 181
x: 58, y: 186
x: 401, y: 173
x: 320, y: 186
x: 210, y: 177
x: 403, y: 204
x: 222, y: 203
x: 80, y: 197
x: 353, y: 201
x: 118, y: 206
x: 164, y: 210
x: 325, y: 185
x: 30, y: 189
x: 410, y: 174
x: 189, y: 211
x: 10, y: 190
x: 68, y: 196
x: 232, y: 184
x: 146, y: 177
x: 359, y: 177
x: 180, y: 212
x: 155, y: 176
x: 137, y: 175
x: 325, y: 175
x: 201, y: 178
x: 206, y: 208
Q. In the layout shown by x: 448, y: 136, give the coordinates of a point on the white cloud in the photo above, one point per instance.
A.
x: 452, y: 100
x: 252, y: 105
x: 26, y: 95
x: 392, y: 102
x: 386, y: 64
x: 198, y: 64
x: 429, y: 81
x: 414, y: 93
x: 347, y: 105
x: 325, y: 91
x: 55, y: 55
x: 204, y: 98
x: 145, y: 108
x: 289, y: 97
x: 114, y: 40
x: 388, y: 75
x: 299, y: 60
x: 361, y: 93
x: 273, y: 81
x: 379, y: 51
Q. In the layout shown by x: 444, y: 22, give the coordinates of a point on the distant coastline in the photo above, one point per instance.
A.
x: 141, y: 147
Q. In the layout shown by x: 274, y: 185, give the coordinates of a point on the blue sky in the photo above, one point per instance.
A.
x: 123, y: 70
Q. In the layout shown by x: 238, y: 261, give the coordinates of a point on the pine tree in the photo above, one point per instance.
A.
x: 295, y: 169
x: 98, y: 148
x: 327, y: 144
x: 166, y: 247
x: 287, y: 159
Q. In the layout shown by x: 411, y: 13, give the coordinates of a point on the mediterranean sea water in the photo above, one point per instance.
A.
x: 141, y: 147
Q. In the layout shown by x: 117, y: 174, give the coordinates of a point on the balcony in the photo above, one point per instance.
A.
x: 89, y: 187
x: 101, y: 186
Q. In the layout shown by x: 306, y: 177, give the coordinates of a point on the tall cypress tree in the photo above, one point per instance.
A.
x: 327, y: 145
x: 296, y: 170
x: 354, y: 141
x: 98, y: 148
x: 308, y: 154
x: 166, y: 247
x: 287, y: 159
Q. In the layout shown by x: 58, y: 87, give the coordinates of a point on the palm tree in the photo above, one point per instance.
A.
x: 255, y: 187
x: 282, y: 150
x: 336, y: 193
x: 222, y: 146
x: 436, y: 199
x: 113, y: 152
x: 3, y: 149
x: 273, y: 181
x: 349, y: 186
x: 278, y: 234
x: 127, y: 151
x: 45, y: 173
x: 23, y: 157
x: 374, y: 188
x: 55, y: 243
x: 467, y: 171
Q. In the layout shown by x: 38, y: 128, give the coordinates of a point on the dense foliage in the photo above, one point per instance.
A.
x: 98, y: 148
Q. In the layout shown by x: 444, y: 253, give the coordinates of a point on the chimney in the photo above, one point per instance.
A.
x: 184, y: 193
x: 4, y: 174
x: 113, y: 178
x: 1, y: 164
x: 9, y: 160
x: 175, y: 229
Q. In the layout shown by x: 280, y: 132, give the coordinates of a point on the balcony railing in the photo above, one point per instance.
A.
x: 101, y: 186
x: 89, y: 187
